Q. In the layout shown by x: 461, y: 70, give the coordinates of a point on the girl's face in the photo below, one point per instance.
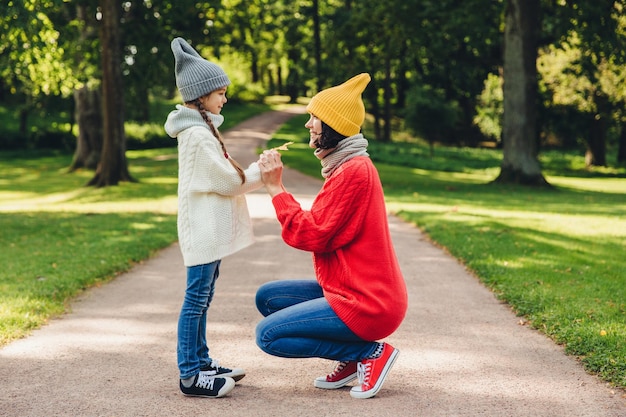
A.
x: 214, y: 101
x: 315, y: 130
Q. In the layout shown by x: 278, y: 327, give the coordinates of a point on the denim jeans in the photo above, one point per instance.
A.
x: 192, y: 349
x: 299, y: 323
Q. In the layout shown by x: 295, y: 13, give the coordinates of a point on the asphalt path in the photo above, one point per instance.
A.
x: 462, y: 352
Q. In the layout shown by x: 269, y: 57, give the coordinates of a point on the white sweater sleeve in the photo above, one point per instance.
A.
x: 209, y: 170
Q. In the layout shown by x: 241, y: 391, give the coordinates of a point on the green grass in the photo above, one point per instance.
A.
x: 60, y: 237
x: 555, y: 255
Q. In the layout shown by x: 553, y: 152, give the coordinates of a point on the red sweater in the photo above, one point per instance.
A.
x: 354, y: 260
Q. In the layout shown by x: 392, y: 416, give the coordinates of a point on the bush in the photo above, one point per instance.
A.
x: 52, y: 140
x: 429, y: 114
x: 38, y: 139
x: 11, y: 141
x: 490, y: 108
x: 147, y: 136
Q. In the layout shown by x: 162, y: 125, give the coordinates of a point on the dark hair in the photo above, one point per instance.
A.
x: 196, y: 102
x: 329, y: 138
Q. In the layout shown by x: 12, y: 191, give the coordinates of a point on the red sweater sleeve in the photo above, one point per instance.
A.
x: 354, y: 260
x: 335, y: 216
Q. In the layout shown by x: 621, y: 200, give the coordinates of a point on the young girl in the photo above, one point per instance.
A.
x: 213, y: 219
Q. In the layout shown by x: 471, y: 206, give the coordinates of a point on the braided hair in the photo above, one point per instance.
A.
x: 198, y: 104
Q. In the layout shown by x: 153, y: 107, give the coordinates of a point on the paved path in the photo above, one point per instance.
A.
x: 463, y: 353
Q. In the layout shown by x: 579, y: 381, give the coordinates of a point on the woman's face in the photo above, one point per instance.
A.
x: 315, y: 130
x: 214, y: 101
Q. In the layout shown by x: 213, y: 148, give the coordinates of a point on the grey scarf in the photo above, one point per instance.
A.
x: 347, y: 149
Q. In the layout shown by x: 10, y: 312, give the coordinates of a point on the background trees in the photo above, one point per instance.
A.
x: 436, y: 66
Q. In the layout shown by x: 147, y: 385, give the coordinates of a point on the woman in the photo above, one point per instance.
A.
x: 359, y: 295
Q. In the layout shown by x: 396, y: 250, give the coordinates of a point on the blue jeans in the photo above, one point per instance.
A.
x: 299, y: 323
x: 192, y: 349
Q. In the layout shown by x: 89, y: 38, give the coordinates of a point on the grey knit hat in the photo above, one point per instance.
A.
x: 195, y: 76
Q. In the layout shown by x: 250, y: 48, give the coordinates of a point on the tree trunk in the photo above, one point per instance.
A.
x: 374, y: 109
x: 596, y: 143
x: 113, y: 167
x: 317, y: 46
x: 293, y: 78
x: 24, y: 111
x: 279, y: 80
x: 387, y: 94
x: 401, y: 81
x: 254, y: 66
x: 87, y: 105
x: 621, y: 150
x: 89, y: 118
x: 520, y: 164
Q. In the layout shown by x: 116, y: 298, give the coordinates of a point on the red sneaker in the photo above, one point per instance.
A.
x: 372, y: 373
x: 344, y: 373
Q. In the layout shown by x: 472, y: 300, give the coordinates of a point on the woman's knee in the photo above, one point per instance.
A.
x: 262, y: 296
x: 263, y: 338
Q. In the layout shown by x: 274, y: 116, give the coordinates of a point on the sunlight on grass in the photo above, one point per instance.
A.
x: 161, y: 180
x: 87, y: 200
x: 607, y: 185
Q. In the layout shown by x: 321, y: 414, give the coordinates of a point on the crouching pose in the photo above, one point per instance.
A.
x: 359, y: 295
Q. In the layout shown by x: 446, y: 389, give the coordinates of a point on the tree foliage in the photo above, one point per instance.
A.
x: 452, y: 49
x: 33, y: 62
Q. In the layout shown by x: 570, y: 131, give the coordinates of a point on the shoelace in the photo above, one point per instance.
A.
x: 363, y: 372
x: 215, y: 365
x: 338, y: 369
x: 205, y: 381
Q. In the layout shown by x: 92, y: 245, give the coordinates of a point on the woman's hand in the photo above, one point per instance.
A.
x: 271, y: 172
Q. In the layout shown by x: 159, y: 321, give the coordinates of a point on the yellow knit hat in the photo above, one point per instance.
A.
x: 341, y: 107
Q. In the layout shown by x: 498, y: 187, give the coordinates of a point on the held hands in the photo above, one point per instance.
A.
x: 271, y: 171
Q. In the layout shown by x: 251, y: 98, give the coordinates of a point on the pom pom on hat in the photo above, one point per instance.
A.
x: 341, y: 107
x: 195, y: 76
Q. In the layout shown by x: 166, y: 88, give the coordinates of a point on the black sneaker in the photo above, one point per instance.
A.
x: 215, y: 369
x: 205, y: 385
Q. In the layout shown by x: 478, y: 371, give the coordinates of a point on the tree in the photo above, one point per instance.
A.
x: 113, y: 166
x: 583, y: 68
x: 87, y: 97
x: 32, y: 64
x: 520, y: 163
x: 88, y: 116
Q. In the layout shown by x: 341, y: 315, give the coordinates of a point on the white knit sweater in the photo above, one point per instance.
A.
x: 213, y: 218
